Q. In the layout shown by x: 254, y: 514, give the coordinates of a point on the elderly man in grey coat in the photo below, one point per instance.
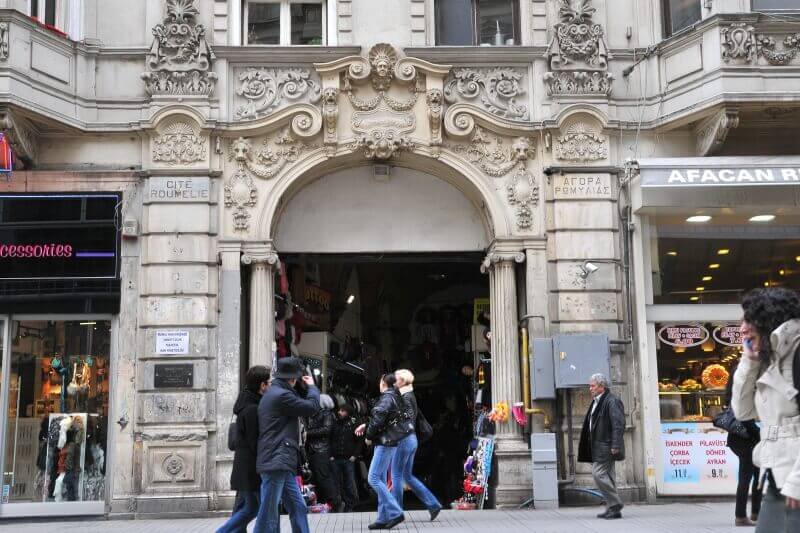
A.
x: 602, y: 442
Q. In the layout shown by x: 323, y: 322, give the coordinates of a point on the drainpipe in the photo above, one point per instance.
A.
x: 526, y: 374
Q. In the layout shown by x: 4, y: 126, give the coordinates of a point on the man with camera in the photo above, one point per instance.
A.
x: 291, y: 395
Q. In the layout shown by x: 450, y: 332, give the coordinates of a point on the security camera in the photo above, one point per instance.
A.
x: 588, y: 268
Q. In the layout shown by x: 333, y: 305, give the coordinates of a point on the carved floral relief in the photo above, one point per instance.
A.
x: 580, y: 143
x: 266, y: 89
x: 179, y: 144
x: 497, y: 90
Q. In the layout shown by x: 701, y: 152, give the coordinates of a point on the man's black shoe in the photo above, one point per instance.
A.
x: 377, y: 525
x: 603, y: 514
x: 613, y: 515
x: 435, y: 513
x: 394, y: 521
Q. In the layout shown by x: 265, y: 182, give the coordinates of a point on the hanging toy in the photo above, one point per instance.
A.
x: 519, y: 414
x: 500, y: 412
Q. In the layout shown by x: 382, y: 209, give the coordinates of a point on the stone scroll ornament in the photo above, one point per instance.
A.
x: 495, y: 89
x: 179, y: 60
x: 578, y: 55
x: 267, y: 89
x: 580, y: 143
x: 491, y: 155
x: 740, y: 43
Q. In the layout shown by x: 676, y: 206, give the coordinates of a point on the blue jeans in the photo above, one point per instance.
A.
x: 244, y: 511
x: 277, y: 486
x: 388, y: 508
x: 402, y: 474
x: 346, y: 476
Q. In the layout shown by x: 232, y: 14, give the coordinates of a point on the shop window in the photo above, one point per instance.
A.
x: 718, y: 263
x: 776, y: 5
x: 57, y: 417
x: 284, y: 22
x: 477, y: 22
x: 680, y: 14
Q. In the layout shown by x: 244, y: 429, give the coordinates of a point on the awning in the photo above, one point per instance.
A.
x: 716, y: 183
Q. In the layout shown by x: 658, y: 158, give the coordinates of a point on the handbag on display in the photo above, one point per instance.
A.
x: 727, y: 420
x: 233, y: 434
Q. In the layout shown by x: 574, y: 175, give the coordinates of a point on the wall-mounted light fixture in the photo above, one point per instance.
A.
x: 589, y: 266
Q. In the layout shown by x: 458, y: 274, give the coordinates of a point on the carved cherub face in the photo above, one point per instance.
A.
x: 329, y: 95
x: 382, y: 67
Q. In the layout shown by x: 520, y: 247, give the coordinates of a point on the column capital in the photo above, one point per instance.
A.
x: 262, y: 258
x: 495, y: 256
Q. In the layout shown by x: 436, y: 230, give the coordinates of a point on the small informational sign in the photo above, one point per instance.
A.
x: 696, y: 460
x: 173, y: 376
x: 195, y: 189
x: 6, y: 493
x: 685, y: 335
x: 172, y: 342
x: 729, y: 335
x: 581, y: 186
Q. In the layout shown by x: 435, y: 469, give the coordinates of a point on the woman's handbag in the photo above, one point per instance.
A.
x: 233, y: 434
x: 424, y: 429
x: 727, y: 420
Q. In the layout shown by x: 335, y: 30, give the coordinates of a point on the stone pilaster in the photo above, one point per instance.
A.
x: 262, y: 306
x: 513, y: 461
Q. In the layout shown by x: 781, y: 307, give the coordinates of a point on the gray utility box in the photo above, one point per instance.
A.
x: 545, y: 470
x: 543, y: 382
x: 577, y: 357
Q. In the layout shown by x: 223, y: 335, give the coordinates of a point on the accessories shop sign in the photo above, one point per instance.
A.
x: 73, y: 247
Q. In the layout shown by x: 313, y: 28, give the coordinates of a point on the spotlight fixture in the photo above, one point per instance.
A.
x: 698, y: 219
x: 723, y: 251
x: 588, y: 268
x: 351, y: 299
x: 672, y: 253
x: 762, y: 218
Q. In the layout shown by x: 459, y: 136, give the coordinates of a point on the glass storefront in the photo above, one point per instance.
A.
x: 57, y: 411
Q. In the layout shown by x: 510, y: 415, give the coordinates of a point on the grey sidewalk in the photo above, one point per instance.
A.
x: 670, y: 518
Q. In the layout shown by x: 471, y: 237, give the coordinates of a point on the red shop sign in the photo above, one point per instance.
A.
x: 686, y: 335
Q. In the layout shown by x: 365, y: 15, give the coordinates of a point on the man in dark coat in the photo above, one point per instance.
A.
x: 244, y: 478
x: 602, y: 442
x: 345, y: 451
x: 318, y: 445
x: 279, y: 452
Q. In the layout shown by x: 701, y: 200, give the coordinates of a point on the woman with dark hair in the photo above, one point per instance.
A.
x: 385, y: 431
x: 763, y: 388
x: 244, y: 477
x: 743, y: 446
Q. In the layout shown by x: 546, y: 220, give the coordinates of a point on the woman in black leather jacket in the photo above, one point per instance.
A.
x: 318, y: 445
x: 384, y: 429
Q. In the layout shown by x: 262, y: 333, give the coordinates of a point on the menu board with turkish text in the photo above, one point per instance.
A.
x: 696, y: 460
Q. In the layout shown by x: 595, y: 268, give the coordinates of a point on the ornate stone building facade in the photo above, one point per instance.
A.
x: 140, y: 98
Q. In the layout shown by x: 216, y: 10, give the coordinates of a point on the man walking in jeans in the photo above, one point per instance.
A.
x: 345, y: 451
x: 602, y: 442
x: 279, y: 450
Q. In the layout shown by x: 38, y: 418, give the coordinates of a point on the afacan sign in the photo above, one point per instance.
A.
x: 720, y: 176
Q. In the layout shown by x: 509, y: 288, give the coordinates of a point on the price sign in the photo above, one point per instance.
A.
x: 696, y: 460
x: 686, y: 335
x: 729, y: 335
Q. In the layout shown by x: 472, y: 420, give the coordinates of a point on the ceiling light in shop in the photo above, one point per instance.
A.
x: 351, y: 299
x: 782, y: 272
x: 699, y: 289
x: 709, y: 345
x: 698, y: 218
x: 766, y: 283
x: 713, y: 266
x: 673, y: 253
x: 797, y: 258
x: 762, y: 218
x: 723, y: 251
x: 694, y: 298
x: 87, y: 323
x: 707, y: 278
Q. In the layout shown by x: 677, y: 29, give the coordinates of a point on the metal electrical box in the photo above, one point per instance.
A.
x: 545, y: 470
x: 577, y: 357
x: 543, y: 381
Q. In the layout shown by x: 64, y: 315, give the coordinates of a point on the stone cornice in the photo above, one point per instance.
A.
x: 264, y: 54
x: 476, y: 55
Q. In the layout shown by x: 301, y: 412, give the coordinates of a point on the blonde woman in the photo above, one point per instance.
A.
x: 403, y: 460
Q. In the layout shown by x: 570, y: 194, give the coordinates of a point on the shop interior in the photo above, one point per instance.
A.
x: 55, y: 444
x: 354, y: 317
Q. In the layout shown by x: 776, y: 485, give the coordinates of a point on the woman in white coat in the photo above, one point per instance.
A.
x: 763, y: 388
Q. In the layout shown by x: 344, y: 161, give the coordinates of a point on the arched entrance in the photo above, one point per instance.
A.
x: 401, y: 252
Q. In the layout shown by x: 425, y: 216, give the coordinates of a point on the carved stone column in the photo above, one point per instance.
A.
x: 505, y: 337
x: 262, y: 307
x: 513, y: 459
